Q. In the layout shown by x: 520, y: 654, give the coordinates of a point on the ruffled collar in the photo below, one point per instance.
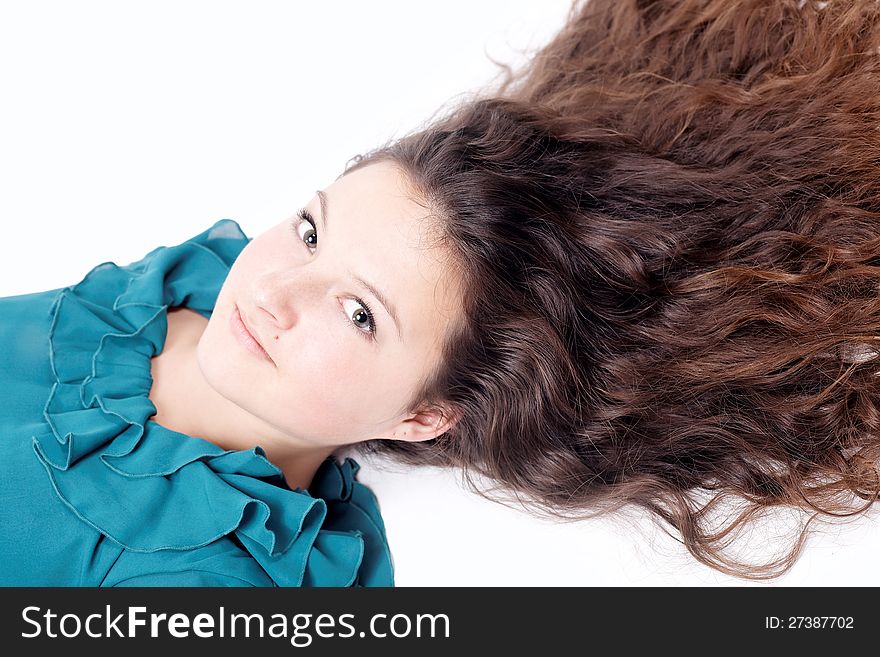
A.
x: 147, y: 487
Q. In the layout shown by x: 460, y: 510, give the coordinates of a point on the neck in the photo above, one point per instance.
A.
x: 186, y: 403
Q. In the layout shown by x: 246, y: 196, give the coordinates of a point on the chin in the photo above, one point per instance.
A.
x: 205, y: 361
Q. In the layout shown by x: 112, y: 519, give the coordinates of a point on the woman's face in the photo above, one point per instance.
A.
x: 336, y: 376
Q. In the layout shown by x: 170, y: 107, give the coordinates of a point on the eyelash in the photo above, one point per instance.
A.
x: 305, y: 215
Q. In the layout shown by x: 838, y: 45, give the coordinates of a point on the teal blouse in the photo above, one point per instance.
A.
x: 94, y: 493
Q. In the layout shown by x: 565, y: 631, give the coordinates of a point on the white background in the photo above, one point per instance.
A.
x: 126, y: 126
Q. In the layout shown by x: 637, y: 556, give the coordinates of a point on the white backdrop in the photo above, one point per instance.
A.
x: 126, y: 126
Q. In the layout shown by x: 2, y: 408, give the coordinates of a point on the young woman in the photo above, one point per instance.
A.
x: 643, y: 270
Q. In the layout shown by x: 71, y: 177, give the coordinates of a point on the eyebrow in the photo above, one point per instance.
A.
x: 376, y: 292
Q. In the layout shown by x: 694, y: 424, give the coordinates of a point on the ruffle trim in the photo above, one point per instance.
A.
x: 145, y: 486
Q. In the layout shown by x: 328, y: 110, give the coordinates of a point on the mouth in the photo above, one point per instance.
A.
x: 246, y: 337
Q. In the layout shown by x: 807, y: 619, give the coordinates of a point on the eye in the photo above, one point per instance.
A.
x: 306, y: 218
x: 309, y: 237
x: 362, y: 314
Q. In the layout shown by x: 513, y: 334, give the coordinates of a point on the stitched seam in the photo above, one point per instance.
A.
x: 191, y: 570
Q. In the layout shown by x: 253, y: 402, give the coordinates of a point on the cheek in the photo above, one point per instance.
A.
x: 262, y: 253
x: 336, y: 386
x: 325, y: 365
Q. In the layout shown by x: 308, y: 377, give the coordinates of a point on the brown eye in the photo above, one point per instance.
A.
x: 311, y: 234
x: 361, y: 317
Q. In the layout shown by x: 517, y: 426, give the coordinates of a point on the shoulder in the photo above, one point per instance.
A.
x: 220, y: 563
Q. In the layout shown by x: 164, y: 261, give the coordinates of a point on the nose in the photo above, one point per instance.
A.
x: 281, y: 297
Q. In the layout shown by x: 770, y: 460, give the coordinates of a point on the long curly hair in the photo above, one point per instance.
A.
x: 668, y: 220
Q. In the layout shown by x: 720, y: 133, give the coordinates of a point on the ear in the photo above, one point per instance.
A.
x: 426, y: 424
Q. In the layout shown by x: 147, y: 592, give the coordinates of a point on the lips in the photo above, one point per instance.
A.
x: 247, y: 326
x: 246, y: 335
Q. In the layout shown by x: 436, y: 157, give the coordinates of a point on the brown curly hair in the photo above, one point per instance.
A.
x: 669, y: 225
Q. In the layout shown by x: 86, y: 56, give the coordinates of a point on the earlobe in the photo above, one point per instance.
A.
x: 429, y: 424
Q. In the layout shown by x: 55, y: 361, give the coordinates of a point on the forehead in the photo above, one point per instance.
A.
x: 379, y: 188
x: 391, y: 235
